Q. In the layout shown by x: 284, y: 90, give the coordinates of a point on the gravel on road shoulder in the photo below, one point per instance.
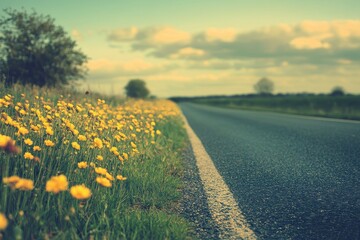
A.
x: 193, y: 204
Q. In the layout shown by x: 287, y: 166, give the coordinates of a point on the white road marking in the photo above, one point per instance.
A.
x: 222, y: 205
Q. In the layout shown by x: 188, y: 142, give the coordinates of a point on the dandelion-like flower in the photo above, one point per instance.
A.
x: 99, y: 157
x: 82, y: 165
x: 28, y: 141
x: 7, y: 144
x: 75, y: 145
x: 37, y: 148
x: 80, y: 192
x: 81, y: 138
x: 57, y: 184
x: 3, y: 221
x: 121, y: 178
x: 103, y: 181
x: 100, y: 170
x: 23, y: 131
x: 98, y: 143
x: 49, y: 143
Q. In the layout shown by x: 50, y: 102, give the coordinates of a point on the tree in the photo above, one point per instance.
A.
x: 337, y: 91
x: 33, y: 50
x: 136, y: 88
x: 264, y: 86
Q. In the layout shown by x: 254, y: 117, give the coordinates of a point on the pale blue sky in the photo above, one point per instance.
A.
x: 212, y: 47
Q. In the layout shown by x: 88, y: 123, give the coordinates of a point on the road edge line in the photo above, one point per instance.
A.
x: 222, y: 205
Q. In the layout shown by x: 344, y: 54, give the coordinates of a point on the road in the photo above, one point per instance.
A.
x: 293, y: 177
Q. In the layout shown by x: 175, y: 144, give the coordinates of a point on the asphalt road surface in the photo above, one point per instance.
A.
x: 293, y: 177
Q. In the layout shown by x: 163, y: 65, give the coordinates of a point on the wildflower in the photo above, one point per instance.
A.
x: 35, y: 128
x: 158, y: 132
x: 28, y: 155
x: 28, y: 141
x: 121, y: 178
x: 99, y: 157
x: 75, y: 145
x: 23, y: 131
x: 81, y: 138
x: 109, y: 176
x: 3, y: 221
x: 92, y: 164
x: 37, y: 148
x: 7, y: 144
x: 82, y: 165
x: 126, y: 156
x: 11, y: 180
x: 80, y: 192
x: 57, y: 184
x: 49, y: 131
x: 103, y: 181
x: 21, y: 213
x: 100, y: 170
x: 49, y: 143
x: 24, y: 184
x: 133, y: 144
x: 98, y: 143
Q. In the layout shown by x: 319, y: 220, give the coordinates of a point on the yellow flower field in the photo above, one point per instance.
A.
x: 65, y: 161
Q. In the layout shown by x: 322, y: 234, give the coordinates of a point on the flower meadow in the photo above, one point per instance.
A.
x: 77, y: 166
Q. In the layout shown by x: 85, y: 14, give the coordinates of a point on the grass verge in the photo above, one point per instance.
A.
x: 74, y: 166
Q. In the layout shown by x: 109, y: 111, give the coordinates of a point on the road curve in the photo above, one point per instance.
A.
x: 293, y: 177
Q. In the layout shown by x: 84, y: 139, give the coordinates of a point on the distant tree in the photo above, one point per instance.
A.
x: 264, y: 86
x: 34, y: 50
x: 337, y: 91
x: 136, y: 88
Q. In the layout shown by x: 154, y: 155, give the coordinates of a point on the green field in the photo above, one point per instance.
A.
x: 76, y: 166
x: 344, y: 107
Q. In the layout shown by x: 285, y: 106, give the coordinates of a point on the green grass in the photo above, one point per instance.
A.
x: 141, y: 207
x: 345, y: 107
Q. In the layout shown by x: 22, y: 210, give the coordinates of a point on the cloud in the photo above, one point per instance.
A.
x: 224, y: 35
x: 123, y: 34
x: 314, y: 41
x: 188, y: 52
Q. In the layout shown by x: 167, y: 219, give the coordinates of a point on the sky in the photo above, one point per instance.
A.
x: 211, y: 47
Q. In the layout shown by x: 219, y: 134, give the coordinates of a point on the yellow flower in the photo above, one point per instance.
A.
x: 75, y: 145
x: 100, y: 170
x: 109, y: 176
x: 34, y: 128
x: 158, y: 132
x: 49, y: 131
x: 4, y: 140
x: 28, y: 141
x: 98, y: 143
x: 126, y: 156
x: 113, y: 149
x: 11, y: 180
x: 3, y: 221
x: 28, y: 155
x: 103, y: 181
x: 133, y: 144
x: 23, y: 131
x: 99, y: 157
x: 49, y: 143
x: 121, y: 178
x: 37, y: 148
x: 24, y: 184
x: 57, y: 184
x: 80, y: 192
x: 82, y: 165
x: 81, y: 138
x: 7, y: 144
